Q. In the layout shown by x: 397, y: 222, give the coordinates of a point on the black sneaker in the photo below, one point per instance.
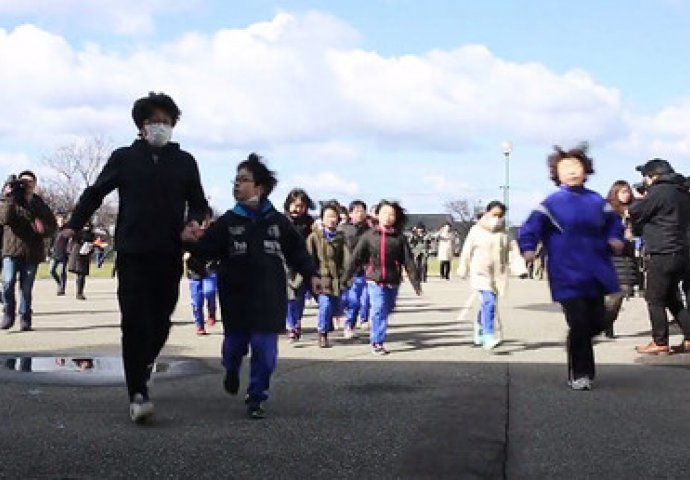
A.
x: 254, y: 410
x: 231, y: 383
x: 7, y: 322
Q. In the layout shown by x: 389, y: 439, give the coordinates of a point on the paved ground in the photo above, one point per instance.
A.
x: 435, y: 408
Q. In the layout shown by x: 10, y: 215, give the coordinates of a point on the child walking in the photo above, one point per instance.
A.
x: 203, y: 286
x: 252, y: 243
x: 327, y: 247
x: 579, y: 231
x: 297, y: 205
x: 485, y: 258
x: 382, y: 251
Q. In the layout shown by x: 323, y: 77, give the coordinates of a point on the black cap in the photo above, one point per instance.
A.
x: 655, y: 166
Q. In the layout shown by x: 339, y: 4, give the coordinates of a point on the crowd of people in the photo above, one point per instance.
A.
x: 256, y: 266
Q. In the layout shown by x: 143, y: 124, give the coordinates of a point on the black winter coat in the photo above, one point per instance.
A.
x: 78, y: 262
x: 663, y: 216
x: 382, y: 253
x: 253, y: 250
x: 155, y: 186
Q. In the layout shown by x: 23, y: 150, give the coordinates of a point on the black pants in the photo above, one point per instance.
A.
x: 148, y: 289
x: 665, y: 275
x: 422, y: 264
x: 586, y: 319
x: 445, y: 269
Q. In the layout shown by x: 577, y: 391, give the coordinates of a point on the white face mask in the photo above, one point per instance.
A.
x: 496, y: 223
x: 158, y: 134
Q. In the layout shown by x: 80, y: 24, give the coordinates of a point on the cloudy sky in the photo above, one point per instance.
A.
x: 360, y: 99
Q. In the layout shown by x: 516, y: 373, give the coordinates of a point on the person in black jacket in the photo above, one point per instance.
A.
x: 252, y: 243
x: 158, y: 183
x: 382, y: 251
x: 663, y: 218
x: 58, y: 256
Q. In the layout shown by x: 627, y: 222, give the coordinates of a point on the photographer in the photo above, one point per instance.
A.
x: 662, y: 217
x: 26, y: 220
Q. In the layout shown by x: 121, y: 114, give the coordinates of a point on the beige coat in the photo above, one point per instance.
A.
x: 486, y: 256
x: 446, y: 244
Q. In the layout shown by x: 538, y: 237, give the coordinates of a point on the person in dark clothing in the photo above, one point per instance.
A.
x: 383, y: 251
x: 252, y: 243
x: 357, y: 296
x: 27, y: 221
x: 420, y: 241
x: 296, y: 207
x: 620, y: 198
x: 80, y: 250
x: 662, y: 217
x: 58, y: 256
x: 158, y: 183
x: 203, y: 286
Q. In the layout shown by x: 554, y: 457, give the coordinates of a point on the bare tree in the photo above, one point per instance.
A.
x: 464, y: 213
x: 75, y: 166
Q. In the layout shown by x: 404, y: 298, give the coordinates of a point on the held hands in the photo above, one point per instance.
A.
x: 192, y: 232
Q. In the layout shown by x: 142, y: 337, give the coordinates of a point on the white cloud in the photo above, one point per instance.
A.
x: 325, y: 184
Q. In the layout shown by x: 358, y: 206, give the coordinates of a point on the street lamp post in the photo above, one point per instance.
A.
x: 507, y: 149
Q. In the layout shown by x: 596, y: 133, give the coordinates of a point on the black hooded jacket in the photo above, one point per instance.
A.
x: 157, y: 187
x: 663, y: 216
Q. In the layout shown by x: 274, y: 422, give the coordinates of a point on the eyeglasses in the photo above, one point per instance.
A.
x: 243, y: 180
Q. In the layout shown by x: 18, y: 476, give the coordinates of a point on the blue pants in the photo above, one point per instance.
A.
x: 11, y: 267
x: 295, y: 309
x: 263, y: 362
x: 200, y: 290
x: 328, y: 306
x: 357, y: 302
x: 487, y: 312
x: 382, y: 300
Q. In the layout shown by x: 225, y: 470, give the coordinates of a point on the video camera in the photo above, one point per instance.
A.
x: 640, y: 188
x: 17, y: 187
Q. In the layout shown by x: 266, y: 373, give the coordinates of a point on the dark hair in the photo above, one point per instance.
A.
x: 28, y: 173
x: 579, y: 153
x: 298, y: 194
x: 357, y: 203
x: 342, y: 210
x: 400, y: 215
x: 612, y: 197
x: 330, y: 205
x: 144, y: 107
x: 263, y: 177
x: 496, y: 203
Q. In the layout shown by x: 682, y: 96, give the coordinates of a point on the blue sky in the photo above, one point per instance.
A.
x: 398, y: 99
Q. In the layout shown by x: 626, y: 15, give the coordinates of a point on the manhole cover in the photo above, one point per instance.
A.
x: 88, y: 369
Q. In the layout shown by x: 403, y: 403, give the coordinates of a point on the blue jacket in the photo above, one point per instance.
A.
x: 575, y: 225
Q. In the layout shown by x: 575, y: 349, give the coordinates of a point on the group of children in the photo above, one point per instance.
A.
x: 257, y: 252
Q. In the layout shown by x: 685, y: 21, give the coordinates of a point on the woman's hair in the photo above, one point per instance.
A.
x: 495, y: 203
x: 263, y: 177
x: 335, y: 206
x: 612, y: 197
x: 400, y: 215
x: 579, y: 153
x: 298, y: 194
x: 144, y: 107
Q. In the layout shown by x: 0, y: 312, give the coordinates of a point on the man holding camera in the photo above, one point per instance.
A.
x: 662, y: 217
x: 26, y: 221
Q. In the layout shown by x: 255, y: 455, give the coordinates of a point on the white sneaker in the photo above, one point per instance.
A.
x: 348, y: 333
x: 582, y: 383
x: 140, y: 410
x: 490, y: 342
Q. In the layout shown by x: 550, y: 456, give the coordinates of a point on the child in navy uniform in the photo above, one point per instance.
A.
x: 252, y: 243
x: 579, y: 230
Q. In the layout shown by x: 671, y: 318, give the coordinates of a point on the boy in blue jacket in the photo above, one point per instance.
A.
x: 252, y: 243
x: 579, y: 231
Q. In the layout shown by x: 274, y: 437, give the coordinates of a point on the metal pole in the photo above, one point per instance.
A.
x: 506, y: 189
